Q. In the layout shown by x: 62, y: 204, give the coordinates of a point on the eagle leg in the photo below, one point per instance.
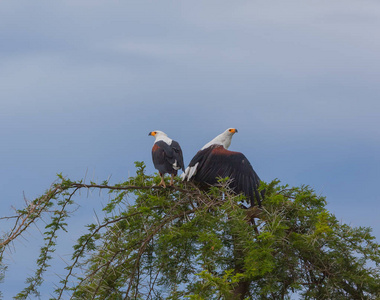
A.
x: 162, y: 183
x: 172, y: 180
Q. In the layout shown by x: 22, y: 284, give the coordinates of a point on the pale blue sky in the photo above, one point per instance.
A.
x: 83, y: 82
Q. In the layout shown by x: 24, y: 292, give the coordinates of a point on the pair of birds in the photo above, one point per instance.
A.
x: 212, y: 162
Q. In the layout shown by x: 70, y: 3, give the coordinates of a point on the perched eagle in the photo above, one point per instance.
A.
x: 167, y: 156
x: 214, y: 161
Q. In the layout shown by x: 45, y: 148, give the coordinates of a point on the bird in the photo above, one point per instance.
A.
x: 167, y: 156
x: 215, y: 161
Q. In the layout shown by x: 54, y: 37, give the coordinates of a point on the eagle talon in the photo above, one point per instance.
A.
x: 162, y: 183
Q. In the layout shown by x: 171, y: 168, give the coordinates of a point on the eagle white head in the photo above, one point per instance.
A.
x: 161, y: 136
x: 223, y: 139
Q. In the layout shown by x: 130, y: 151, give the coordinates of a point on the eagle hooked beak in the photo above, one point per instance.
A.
x: 152, y: 133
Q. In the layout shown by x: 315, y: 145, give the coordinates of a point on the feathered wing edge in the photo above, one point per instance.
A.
x: 178, y: 155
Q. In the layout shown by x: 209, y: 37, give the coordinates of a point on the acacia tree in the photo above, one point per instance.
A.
x: 182, y: 242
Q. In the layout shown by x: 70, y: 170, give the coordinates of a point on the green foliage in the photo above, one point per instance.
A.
x: 57, y: 223
x: 183, y: 243
x: 2, y: 272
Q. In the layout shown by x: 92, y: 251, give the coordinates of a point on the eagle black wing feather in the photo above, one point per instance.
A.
x: 216, y: 161
x: 178, y: 155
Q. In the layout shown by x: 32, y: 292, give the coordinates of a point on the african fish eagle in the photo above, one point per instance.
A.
x: 167, y: 156
x: 214, y: 161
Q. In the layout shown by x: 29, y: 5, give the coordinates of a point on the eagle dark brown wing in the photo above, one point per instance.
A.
x: 216, y: 161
